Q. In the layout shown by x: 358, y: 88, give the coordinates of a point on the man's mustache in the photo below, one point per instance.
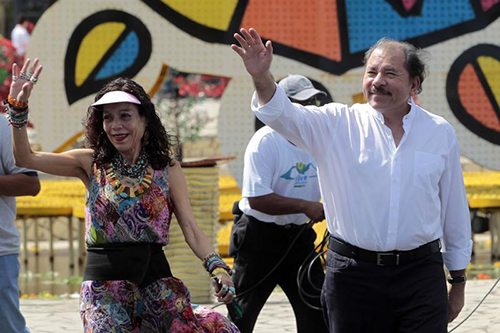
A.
x: 379, y: 90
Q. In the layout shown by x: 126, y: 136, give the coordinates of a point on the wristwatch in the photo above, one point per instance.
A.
x: 457, y: 279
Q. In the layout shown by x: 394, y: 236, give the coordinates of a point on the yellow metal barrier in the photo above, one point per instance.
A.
x: 483, y: 189
x: 56, y: 199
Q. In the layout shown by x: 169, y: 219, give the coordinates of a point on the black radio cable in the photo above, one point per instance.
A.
x: 303, y: 228
x: 318, y: 252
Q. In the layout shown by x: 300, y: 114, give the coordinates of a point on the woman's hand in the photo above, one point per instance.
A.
x: 23, y: 81
x: 224, y: 291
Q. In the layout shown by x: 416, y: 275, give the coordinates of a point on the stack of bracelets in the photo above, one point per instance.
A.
x: 214, y: 265
x: 17, y: 112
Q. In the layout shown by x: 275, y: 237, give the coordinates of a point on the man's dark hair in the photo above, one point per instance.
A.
x: 21, y: 19
x: 414, y: 62
x: 159, y: 144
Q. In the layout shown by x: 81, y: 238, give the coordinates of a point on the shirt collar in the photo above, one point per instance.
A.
x: 407, y: 119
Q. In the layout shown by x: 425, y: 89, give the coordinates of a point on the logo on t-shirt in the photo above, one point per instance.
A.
x: 300, y: 173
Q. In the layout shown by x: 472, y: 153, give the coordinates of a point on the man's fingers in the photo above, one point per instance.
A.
x: 254, y: 34
x: 238, y: 50
x: 452, y: 315
x: 242, y: 41
x: 269, y: 46
x: 249, y: 39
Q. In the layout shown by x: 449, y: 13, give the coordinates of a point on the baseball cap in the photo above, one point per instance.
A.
x: 116, y: 97
x: 299, y: 87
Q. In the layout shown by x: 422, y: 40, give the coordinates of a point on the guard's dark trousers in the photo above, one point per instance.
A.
x: 259, y: 246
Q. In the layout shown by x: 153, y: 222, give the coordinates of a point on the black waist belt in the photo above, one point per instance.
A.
x: 390, y: 258
x: 142, y: 263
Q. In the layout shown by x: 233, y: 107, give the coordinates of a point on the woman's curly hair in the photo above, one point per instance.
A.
x: 159, y: 145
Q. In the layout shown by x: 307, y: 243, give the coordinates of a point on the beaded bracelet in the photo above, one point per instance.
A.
x: 18, y: 124
x: 17, y: 119
x: 220, y: 271
x: 213, y: 262
x: 16, y: 104
x: 11, y: 107
x: 208, y: 257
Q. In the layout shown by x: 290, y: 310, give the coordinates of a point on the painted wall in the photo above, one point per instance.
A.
x: 83, y: 44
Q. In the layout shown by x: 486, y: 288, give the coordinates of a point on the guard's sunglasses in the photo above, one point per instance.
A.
x: 311, y: 101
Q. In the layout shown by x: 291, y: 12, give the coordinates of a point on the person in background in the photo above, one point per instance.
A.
x: 280, y: 195
x: 14, y: 181
x: 20, y: 36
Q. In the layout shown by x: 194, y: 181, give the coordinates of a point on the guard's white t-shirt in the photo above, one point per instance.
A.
x: 274, y: 165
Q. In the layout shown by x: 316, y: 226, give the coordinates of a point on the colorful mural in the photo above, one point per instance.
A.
x: 107, y: 44
x: 86, y: 43
x: 343, y: 29
x: 473, y: 90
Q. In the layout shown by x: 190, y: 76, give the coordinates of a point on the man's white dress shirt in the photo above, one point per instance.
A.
x: 378, y: 196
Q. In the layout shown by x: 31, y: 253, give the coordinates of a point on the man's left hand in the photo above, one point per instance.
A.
x: 456, y: 297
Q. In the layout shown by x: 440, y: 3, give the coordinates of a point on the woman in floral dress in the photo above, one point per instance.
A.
x: 133, y: 187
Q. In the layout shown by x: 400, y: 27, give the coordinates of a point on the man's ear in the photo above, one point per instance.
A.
x: 415, y: 84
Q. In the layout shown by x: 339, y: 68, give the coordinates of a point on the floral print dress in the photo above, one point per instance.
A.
x: 121, y: 306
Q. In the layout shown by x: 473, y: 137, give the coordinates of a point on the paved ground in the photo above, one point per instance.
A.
x: 55, y: 316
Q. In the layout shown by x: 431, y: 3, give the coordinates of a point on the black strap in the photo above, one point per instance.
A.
x: 389, y: 258
x: 142, y: 263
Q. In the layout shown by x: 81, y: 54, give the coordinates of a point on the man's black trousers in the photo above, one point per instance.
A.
x: 363, y: 297
x: 258, y: 246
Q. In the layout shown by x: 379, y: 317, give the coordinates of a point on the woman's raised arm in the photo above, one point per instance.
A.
x: 74, y: 163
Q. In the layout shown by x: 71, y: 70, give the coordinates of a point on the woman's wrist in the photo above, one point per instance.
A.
x: 214, y: 265
x: 220, y: 271
x: 18, y: 117
x: 17, y: 104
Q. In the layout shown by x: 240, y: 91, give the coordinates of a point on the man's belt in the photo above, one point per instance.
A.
x: 389, y: 258
x: 142, y: 263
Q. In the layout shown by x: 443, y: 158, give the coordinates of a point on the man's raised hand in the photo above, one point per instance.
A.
x: 256, y: 56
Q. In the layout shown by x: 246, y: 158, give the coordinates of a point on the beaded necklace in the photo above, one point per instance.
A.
x: 139, y: 180
x: 137, y: 170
